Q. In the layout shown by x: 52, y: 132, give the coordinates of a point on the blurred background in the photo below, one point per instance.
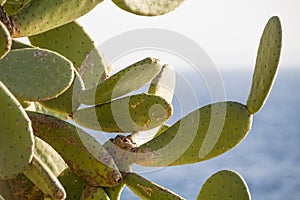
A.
x: 229, y: 32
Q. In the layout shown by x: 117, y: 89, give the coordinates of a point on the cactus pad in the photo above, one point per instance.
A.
x: 266, y: 65
x: 73, y: 184
x: 71, y: 41
x: 148, y: 190
x: 68, y: 141
x: 16, y: 140
x: 90, y: 193
x: 123, y: 82
x: 224, y: 185
x: 35, y: 74
x: 49, y: 156
x: 39, y: 173
x: 135, y: 113
x: 201, y: 135
x: 67, y: 102
x: 32, y: 19
x: 148, y: 7
x: 5, y: 39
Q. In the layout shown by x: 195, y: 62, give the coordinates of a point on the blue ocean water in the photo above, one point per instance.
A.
x: 268, y: 158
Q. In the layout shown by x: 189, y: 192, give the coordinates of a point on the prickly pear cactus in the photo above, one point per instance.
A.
x: 59, y: 81
x: 224, y: 184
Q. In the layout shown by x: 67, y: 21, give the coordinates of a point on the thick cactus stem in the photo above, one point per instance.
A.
x: 148, y: 8
x: 148, y: 190
x: 17, y: 142
x: 224, y: 185
x: 123, y: 82
x: 129, y: 114
x: 266, y: 65
x: 201, y: 135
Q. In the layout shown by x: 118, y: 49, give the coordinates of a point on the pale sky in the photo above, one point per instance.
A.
x: 229, y: 31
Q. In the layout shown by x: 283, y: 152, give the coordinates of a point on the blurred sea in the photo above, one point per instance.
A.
x: 269, y: 157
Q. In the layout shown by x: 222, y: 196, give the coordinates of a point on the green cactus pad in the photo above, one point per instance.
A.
x: 49, y: 156
x: 129, y: 114
x: 148, y: 190
x: 114, y: 193
x: 90, y: 193
x: 164, y: 83
x: 224, y: 185
x: 16, y: 131
x: 92, y: 163
x: 5, y: 39
x: 67, y: 102
x: 39, y: 173
x: 36, y: 74
x: 148, y: 7
x: 201, y: 135
x: 71, y: 41
x: 73, y: 184
x: 32, y: 19
x: 123, y: 82
x: 266, y: 65
x: 37, y: 107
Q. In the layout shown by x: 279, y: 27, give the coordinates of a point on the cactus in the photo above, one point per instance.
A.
x: 266, y: 65
x: 135, y: 113
x: 90, y: 193
x: 148, y: 190
x: 43, y: 177
x: 60, y: 82
x: 32, y: 19
x: 66, y: 140
x: 201, y: 135
x: 123, y: 82
x: 5, y: 39
x: 224, y: 184
x: 36, y: 74
x: 148, y: 8
x: 15, y: 127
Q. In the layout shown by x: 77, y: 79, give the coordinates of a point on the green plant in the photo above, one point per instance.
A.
x: 43, y: 156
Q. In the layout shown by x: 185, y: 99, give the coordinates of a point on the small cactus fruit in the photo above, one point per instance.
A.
x: 39, y: 16
x: 96, y: 166
x: 148, y: 190
x: 71, y: 41
x: 49, y: 156
x: 148, y: 8
x: 203, y: 134
x: 90, y: 193
x: 223, y: 185
x: 73, y: 184
x: 266, y: 65
x: 16, y: 142
x: 36, y: 74
x: 123, y: 82
x: 39, y: 173
x: 129, y: 114
x: 5, y: 39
